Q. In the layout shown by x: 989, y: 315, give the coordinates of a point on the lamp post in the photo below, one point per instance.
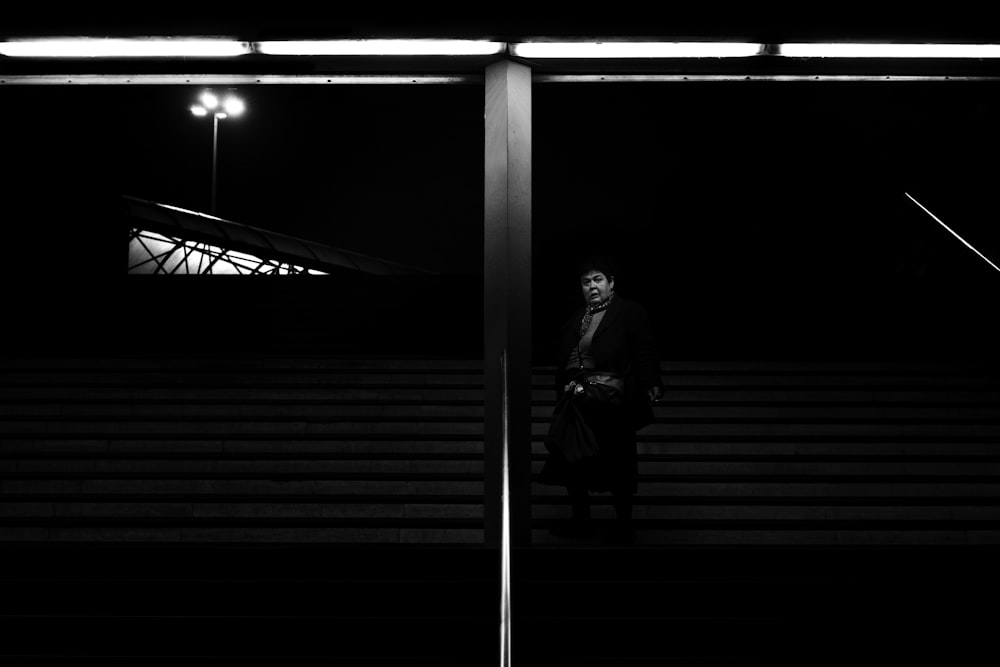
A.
x: 210, y: 104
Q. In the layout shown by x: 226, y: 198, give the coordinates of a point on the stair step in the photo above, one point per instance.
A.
x: 780, y: 512
x: 847, y: 470
x: 368, y: 364
x: 107, y: 427
x: 201, y: 412
x: 747, y: 429
x: 262, y: 486
x: 444, y: 507
x: 224, y: 379
x: 342, y: 532
x: 713, y: 487
x: 264, y: 466
x: 301, y: 444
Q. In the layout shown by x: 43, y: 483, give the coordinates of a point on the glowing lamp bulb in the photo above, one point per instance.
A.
x: 233, y: 106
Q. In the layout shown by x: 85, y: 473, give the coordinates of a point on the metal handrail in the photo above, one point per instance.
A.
x: 505, y: 521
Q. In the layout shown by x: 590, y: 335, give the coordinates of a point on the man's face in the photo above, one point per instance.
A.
x: 596, y: 286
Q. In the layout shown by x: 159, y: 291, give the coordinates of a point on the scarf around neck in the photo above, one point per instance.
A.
x: 588, y: 314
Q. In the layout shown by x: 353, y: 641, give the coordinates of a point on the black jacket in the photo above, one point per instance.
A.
x: 623, y: 343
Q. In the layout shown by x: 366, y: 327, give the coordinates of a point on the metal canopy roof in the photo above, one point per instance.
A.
x: 204, y: 228
x: 685, y: 22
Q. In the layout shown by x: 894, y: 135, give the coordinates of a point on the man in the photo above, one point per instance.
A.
x: 606, y: 348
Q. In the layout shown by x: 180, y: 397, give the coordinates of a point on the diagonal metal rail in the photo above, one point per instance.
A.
x: 953, y: 232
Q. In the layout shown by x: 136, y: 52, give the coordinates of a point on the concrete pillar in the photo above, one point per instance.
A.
x: 507, y: 295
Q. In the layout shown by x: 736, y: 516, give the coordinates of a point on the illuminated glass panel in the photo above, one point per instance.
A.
x: 154, y: 253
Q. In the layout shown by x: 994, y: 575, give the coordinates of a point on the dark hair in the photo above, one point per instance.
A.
x: 602, y: 263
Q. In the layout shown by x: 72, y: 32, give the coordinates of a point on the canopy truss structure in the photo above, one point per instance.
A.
x: 165, y: 239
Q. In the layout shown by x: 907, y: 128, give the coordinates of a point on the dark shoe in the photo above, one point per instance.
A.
x: 573, y: 530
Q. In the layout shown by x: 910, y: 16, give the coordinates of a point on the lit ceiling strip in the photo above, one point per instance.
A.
x: 599, y: 50
x: 653, y: 77
x: 182, y: 47
x: 380, y: 47
x: 234, y: 79
x: 873, y: 50
x: 635, y: 49
x: 97, y: 47
x: 169, y: 47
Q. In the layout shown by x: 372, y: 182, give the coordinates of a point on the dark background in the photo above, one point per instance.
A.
x: 770, y: 217
x: 757, y: 219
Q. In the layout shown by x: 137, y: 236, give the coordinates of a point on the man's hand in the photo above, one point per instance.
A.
x: 654, y: 394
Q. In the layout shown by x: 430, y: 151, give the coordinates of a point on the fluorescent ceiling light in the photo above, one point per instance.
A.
x: 858, y: 50
x: 381, y: 47
x: 238, y: 79
x: 634, y: 49
x: 97, y: 47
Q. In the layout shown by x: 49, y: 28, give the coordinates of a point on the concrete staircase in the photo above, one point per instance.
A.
x: 242, y: 449
x: 304, y: 510
x: 375, y: 451
x: 795, y: 453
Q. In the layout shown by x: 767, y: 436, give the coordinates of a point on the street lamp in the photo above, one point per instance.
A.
x: 210, y: 104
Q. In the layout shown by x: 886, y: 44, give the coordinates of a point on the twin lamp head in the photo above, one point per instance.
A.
x: 211, y: 104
